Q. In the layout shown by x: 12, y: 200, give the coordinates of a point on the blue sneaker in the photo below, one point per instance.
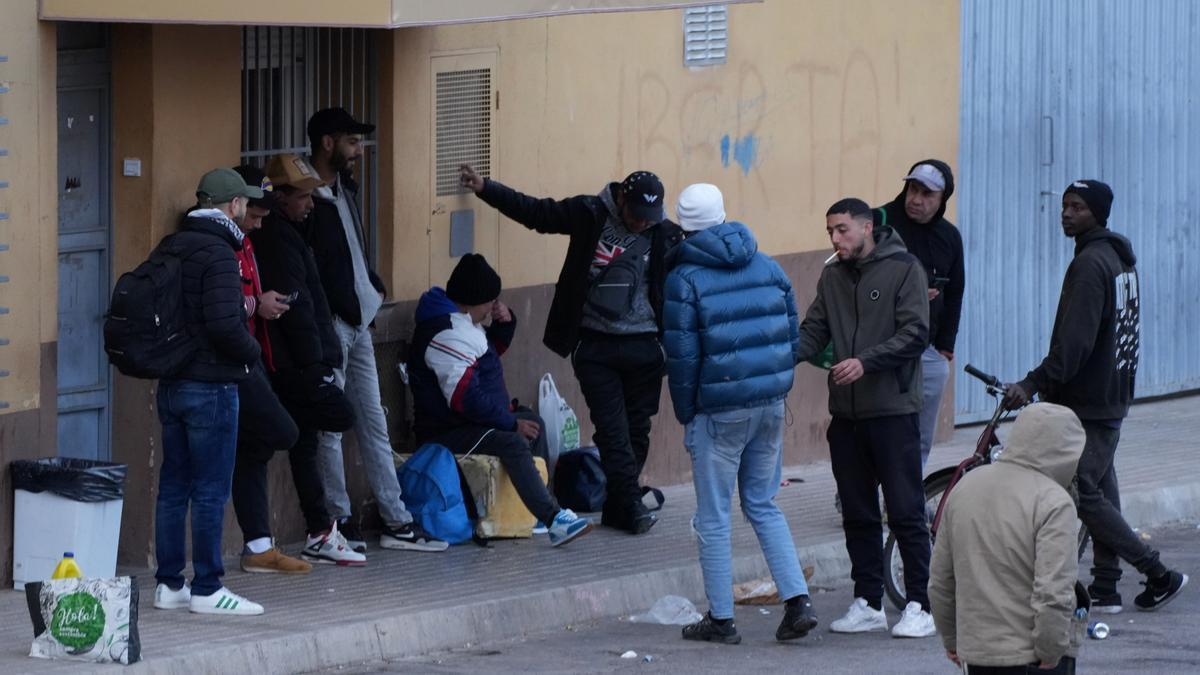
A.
x: 540, y: 528
x: 568, y: 526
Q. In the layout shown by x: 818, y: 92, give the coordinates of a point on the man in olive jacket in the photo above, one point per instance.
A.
x: 1007, y: 548
x: 872, y: 303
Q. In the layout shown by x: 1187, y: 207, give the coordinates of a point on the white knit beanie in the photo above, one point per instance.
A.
x: 700, y: 206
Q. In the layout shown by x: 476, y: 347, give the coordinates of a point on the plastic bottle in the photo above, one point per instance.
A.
x: 67, y: 568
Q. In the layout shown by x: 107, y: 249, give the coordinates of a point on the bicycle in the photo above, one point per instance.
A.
x: 938, y: 484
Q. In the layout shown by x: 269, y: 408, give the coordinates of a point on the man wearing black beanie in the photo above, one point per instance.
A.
x: 459, y: 397
x: 1091, y: 369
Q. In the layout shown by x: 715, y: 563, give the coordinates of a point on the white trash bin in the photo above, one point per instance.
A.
x: 50, y: 516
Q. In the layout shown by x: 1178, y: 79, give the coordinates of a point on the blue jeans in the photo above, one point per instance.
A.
x: 199, y: 440
x: 743, y: 446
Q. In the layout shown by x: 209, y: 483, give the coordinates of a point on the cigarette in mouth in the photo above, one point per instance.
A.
x: 831, y: 258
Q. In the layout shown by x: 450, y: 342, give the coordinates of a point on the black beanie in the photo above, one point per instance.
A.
x: 1097, y: 195
x: 473, y: 281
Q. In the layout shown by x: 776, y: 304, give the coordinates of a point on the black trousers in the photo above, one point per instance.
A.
x: 264, y: 426
x: 867, y: 455
x: 516, y: 454
x: 1066, y: 666
x: 621, y: 379
x: 1100, y: 510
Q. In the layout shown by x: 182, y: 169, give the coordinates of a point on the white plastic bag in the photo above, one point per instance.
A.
x: 85, y: 619
x: 670, y: 610
x: 562, y: 426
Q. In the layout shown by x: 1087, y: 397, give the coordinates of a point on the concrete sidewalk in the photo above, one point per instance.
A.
x: 402, y: 603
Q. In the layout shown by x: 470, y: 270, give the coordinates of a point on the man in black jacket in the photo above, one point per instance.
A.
x: 304, y: 350
x: 355, y: 293
x: 198, y: 407
x: 917, y: 214
x: 1091, y: 369
x: 607, y: 315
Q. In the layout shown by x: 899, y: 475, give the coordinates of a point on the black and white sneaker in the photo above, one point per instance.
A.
x: 798, y: 619
x: 1105, y: 602
x: 353, y: 536
x: 709, y: 629
x: 410, y: 537
x: 1160, y: 591
x: 331, y: 548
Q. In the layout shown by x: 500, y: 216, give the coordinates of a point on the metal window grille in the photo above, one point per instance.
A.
x: 705, y: 35
x: 290, y: 73
x: 464, y: 125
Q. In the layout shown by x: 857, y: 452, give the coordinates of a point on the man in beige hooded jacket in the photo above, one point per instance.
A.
x: 1005, y: 561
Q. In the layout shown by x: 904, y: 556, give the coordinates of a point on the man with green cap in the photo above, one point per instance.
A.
x: 198, y: 407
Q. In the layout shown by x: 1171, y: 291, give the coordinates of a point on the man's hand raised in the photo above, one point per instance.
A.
x: 469, y: 179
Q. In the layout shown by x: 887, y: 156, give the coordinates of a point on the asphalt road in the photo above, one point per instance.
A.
x: 1167, y: 641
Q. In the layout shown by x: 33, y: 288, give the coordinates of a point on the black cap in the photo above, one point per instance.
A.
x: 643, y: 193
x: 335, y: 121
x: 1097, y: 195
x: 473, y: 281
x: 255, y: 177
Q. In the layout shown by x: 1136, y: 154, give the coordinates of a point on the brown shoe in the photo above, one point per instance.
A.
x: 273, y: 561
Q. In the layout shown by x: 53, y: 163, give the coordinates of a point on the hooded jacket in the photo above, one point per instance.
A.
x: 875, y: 309
x: 304, y: 337
x: 212, y: 300
x: 582, y: 219
x: 732, y: 332
x: 1003, y: 574
x: 939, y: 247
x: 1093, y: 356
x: 327, y: 237
x: 454, y: 370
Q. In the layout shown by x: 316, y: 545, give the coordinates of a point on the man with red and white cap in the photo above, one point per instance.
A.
x: 607, y: 315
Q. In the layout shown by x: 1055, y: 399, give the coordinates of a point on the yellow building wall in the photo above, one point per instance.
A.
x: 818, y: 100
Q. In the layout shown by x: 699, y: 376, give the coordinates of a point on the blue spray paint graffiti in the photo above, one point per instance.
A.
x: 745, y: 152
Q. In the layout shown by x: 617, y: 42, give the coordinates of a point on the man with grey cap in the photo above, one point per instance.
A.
x: 198, y: 407
x: 918, y: 215
x: 732, y: 337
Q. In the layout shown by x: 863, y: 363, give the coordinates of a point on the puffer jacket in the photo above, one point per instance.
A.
x: 875, y: 309
x: 732, y: 334
x: 212, y: 301
x: 1002, y: 578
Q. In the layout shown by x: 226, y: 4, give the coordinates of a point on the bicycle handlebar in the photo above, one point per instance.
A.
x: 989, y: 380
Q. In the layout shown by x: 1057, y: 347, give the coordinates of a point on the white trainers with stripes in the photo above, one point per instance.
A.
x: 224, y: 601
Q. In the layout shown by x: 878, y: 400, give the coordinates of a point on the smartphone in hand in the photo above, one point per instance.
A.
x: 290, y: 297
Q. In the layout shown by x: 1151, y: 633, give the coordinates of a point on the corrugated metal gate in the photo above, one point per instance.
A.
x: 1053, y: 91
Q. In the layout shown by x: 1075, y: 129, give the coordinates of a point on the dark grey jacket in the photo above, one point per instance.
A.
x: 876, y: 310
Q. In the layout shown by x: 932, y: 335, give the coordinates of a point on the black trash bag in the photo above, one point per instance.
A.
x: 579, y: 482
x: 81, y: 480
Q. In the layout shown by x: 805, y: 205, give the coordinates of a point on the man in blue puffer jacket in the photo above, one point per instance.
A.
x: 732, y: 335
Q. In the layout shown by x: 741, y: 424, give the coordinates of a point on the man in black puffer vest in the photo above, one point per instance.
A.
x: 198, y: 407
x: 607, y: 315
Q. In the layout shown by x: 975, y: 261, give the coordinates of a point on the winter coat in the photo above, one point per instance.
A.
x: 327, y: 237
x: 213, y: 302
x: 875, y: 309
x: 303, y: 337
x: 939, y: 247
x: 732, y: 333
x: 1093, y: 356
x: 582, y: 218
x: 1003, y: 574
x: 454, y: 370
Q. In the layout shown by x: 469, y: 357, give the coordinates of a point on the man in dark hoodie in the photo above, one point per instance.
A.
x: 607, y: 315
x: 459, y: 397
x: 872, y: 304
x: 917, y: 214
x: 1091, y: 369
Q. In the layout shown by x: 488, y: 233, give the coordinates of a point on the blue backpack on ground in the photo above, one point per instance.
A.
x: 432, y: 485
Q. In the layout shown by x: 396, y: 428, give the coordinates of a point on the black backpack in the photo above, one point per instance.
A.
x: 145, y: 332
x: 579, y: 482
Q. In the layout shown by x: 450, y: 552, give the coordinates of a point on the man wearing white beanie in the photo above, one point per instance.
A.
x: 729, y: 392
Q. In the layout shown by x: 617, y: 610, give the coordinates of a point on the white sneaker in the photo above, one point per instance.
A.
x: 224, y: 601
x: 860, y: 619
x: 332, y: 548
x: 165, y: 598
x: 914, y: 623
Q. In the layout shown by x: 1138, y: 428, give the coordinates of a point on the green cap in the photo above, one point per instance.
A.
x: 222, y: 185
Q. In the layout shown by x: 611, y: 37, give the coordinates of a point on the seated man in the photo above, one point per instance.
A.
x: 459, y: 397
x: 1002, y: 580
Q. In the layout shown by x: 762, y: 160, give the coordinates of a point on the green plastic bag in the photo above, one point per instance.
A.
x: 824, y: 359
x: 85, y: 619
